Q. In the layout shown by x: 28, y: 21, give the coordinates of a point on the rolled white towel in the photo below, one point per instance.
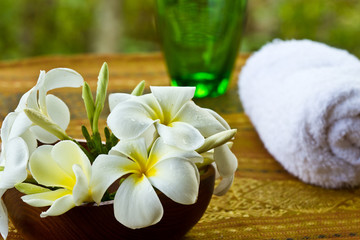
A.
x: 303, y: 98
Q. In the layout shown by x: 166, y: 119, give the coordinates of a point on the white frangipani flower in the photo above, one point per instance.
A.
x: 169, y: 169
x: 225, y: 161
x: 10, y: 129
x: 226, y: 165
x: 47, y: 104
x: 63, y: 165
x: 16, y: 157
x: 116, y: 98
x: 178, y: 120
x: 19, y: 137
x: 222, y: 158
x: 17, y: 124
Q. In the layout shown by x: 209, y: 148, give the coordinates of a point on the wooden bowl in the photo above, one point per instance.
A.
x: 98, y: 222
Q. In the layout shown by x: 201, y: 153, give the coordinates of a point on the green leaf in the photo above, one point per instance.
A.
x: 107, y: 133
x: 2, y: 168
x: 139, y: 89
x: 216, y: 140
x: 102, y: 85
x: 46, y: 123
x: 107, y: 137
x: 85, y: 133
x: 89, y: 102
x: 28, y: 188
x: 113, y: 139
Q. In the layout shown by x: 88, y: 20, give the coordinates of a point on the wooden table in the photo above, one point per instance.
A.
x: 265, y: 202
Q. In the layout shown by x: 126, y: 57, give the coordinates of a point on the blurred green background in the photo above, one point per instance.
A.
x: 47, y: 27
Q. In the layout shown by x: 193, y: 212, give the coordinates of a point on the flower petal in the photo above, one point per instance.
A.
x: 116, y: 98
x: 42, y: 99
x: 42, y: 135
x: 150, y: 135
x: 4, y: 220
x: 45, y: 198
x: 41, y: 79
x: 216, y: 140
x: 177, y: 178
x: 224, y: 185
x: 31, y: 101
x: 5, y: 134
x: 219, y: 118
x: 129, y: 120
x: 66, y: 154
x: 22, y: 103
x: 171, y: 99
x: 62, y: 77
x: 46, y: 171
x: 226, y: 164
x: 162, y: 151
x: 136, y: 204
x: 60, y: 206
x: 225, y: 160
x: 200, y: 118
x: 28, y: 100
x: 58, y: 111
x: 6, y: 127
x: 16, y: 155
x: 181, y: 135
x: 81, y: 191
x: 106, y: 169
x: 30, y: 141
x: 134, y: 149
x: 29, y: 188
x: 151, y: 105
x: 20, y: 125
